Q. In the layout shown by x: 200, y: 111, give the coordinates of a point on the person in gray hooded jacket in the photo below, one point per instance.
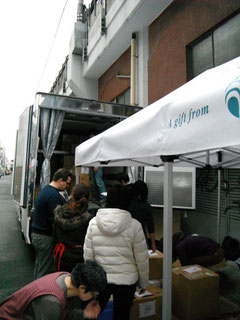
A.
x: 117, y: 242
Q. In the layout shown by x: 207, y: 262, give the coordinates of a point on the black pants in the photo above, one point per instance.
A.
x: 123, y: 296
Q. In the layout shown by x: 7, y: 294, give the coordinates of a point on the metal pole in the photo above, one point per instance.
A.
x: 80, y: 16
x: 219, y: 206
x: 167, y: 242
x: 77, y: 174
x: 133, y: 71
x: 207, y: 157
x: 227, y: 205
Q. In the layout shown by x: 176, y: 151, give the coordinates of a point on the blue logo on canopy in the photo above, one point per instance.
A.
x: 232, y: 97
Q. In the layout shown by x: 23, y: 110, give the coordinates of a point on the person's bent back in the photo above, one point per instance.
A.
x: 48, y: 297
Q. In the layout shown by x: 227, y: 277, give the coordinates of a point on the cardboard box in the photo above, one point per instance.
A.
x: 84, y: 176
x: 195, y: 293
x: 156, y: 282
x: 176, y: 264
x: 155, y: 265
x: 148, y: 308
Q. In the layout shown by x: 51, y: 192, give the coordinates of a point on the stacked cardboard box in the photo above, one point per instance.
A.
x: 155, y: 265
x: 195, y: 293
x: 148, y: 307
x: 84, y: 176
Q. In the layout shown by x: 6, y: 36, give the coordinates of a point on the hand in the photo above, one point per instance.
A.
x: 141, y: 291
x: 92, y: 310
x: 153, y: 247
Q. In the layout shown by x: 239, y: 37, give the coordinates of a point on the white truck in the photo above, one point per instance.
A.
x: 46, y: 139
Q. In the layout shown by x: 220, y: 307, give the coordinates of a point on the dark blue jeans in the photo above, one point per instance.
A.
x: 98, y: 185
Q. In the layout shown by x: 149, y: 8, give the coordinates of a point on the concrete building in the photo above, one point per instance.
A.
x: 3, y: 159
x: 136, y: 52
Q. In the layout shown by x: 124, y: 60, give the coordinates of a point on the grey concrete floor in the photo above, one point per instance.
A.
x: 16, y: 257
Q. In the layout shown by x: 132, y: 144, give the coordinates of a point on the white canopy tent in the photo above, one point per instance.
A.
x: 190, y: 126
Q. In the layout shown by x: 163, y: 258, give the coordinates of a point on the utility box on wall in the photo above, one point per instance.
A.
x: 184, y: 186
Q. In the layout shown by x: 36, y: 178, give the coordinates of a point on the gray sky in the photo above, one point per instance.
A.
x: 27, y: 31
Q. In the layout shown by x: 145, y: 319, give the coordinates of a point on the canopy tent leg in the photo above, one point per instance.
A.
x: 77, y: 174
x: 167, y: 243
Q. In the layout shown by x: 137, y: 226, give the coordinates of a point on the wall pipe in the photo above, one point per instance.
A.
x: 80, y: 16
x: 133, y: 71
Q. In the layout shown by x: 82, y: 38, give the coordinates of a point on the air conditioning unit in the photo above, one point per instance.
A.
x: 184, y: 186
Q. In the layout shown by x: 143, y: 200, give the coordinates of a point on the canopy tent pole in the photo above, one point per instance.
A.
x: 229, y: 163
x: 195, y: 162
x: 167, y: 243
x: 227, y: 205
x: 77, y: 174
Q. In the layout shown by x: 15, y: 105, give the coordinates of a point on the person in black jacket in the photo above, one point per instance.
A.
x: 70, y: 226
x: 47, y: 200
x: 195, y: 249
x: 141, y: 209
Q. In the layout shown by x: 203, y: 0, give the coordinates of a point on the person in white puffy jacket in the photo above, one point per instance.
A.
x: 117, y: 242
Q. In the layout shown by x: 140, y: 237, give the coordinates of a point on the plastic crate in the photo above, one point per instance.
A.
x: 107, y: 313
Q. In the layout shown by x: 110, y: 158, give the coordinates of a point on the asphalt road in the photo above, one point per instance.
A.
x: 16, y: 257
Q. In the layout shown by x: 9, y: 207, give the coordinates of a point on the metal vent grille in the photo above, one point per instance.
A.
x: 183, y: 187
x: 17, y: 184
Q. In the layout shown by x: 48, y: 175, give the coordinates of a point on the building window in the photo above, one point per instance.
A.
x: 219, y: 45
x: 123, y: 98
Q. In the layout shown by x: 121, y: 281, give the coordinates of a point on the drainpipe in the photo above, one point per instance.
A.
x: 80, y: 16
x: 133, y: 71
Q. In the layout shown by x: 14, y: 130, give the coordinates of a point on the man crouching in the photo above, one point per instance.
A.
x: 49, y: 297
